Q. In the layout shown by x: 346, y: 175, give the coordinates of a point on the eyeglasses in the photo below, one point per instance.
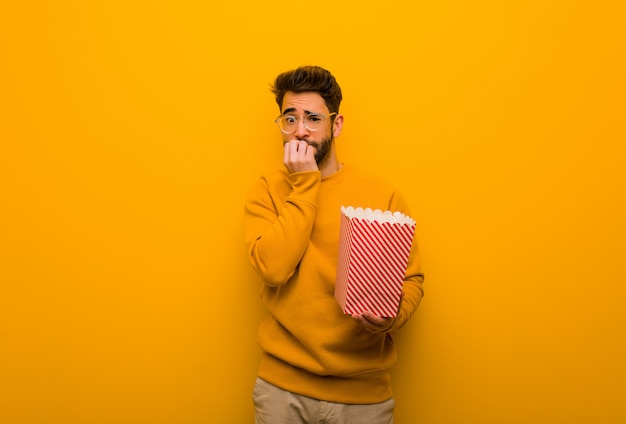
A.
x: 312, y: 122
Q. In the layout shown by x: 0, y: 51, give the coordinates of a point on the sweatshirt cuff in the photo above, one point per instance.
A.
x: 305, y: 185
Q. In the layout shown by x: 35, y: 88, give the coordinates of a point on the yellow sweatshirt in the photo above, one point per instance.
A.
x: 309, y: 345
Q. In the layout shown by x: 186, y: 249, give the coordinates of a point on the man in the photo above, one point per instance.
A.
x: 318, y: 364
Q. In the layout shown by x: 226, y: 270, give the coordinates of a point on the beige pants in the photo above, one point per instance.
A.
x: 277, y: 406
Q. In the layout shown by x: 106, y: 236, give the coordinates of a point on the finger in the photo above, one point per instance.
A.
x: 367, y: 325
x: 310, y: 152
x: 291, y: 150
x: 361, y: 320
x: 286, y: 152
x: 374, y: 319
x: 304, y: 148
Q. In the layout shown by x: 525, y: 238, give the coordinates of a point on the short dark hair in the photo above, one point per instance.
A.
x: 309, y: 78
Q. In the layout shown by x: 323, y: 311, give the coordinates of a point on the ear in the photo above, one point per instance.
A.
x: 337, y: 125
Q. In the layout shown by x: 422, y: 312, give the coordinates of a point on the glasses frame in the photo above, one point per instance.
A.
x: 277, y: 121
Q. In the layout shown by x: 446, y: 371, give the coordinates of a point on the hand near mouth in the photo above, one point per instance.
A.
x: 299, y: 156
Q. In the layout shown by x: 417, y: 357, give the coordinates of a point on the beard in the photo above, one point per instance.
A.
x: 322, y: 149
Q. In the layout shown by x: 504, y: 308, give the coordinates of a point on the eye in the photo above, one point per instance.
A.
x: 314, y: 118
x: 290, y: 120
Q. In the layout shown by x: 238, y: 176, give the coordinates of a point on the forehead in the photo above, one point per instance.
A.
x: 304, y: 102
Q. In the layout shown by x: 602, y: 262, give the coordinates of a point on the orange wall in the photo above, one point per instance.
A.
x: 130, y: 132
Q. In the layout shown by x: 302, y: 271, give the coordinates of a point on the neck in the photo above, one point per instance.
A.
x: 330, y: 166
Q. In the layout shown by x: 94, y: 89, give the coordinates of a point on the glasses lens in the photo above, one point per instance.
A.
x: 288, y: 123
x: 314, y: 122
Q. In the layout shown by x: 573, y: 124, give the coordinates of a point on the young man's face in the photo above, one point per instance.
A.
x: 300, y: 105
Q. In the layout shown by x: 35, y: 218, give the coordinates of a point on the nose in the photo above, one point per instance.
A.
x: 301, y: 130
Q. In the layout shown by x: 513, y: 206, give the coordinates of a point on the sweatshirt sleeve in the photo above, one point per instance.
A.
x: 277, y: 231
x: 412, y: 291
x: 414, y: 277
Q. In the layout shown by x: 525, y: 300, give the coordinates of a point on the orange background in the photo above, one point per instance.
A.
x: 131, y: 131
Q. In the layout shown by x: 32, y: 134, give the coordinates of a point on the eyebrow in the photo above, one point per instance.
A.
x: 306, y: 112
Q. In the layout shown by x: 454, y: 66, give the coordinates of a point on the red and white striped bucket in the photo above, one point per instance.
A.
x: 374, y: 249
